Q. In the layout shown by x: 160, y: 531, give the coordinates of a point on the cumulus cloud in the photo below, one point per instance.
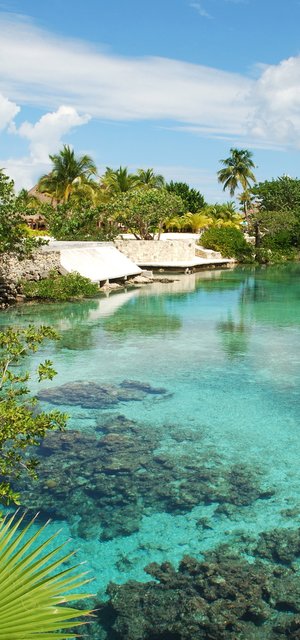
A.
x: 8, y: 110
x: 276, y: 104
x: 45, y: 137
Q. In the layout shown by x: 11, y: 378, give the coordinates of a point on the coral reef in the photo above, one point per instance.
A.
x: 107, y: 480
x: 91, y: 395
x: 279, y: 545
x: 223, y: 597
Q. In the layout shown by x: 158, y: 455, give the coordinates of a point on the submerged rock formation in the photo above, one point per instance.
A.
x: 109, y: 479
x: 91, y: 395
x: 223, y: 597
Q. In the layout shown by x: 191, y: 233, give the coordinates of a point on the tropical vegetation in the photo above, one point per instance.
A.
x: 229, y: 241
x: 192, y: 199
x: 71, y: 286
x: 13, y: 234
x: 22, y: 425
x: 143, y: 212
x: 32, y: 590
x: 68, y: 175
x: 81, y: 206
x: 237, y: 172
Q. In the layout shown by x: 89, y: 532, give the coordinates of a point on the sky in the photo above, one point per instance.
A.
x: 165, y: 84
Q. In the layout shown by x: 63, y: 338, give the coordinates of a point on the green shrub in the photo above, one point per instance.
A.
x: 58, y: 287
x: 229, y: 241
x: 275, y: 255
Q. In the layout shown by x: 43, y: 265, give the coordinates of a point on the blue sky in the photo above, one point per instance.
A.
x: 168, y: 84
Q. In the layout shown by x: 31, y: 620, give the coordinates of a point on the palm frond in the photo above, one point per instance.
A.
x: 31, y: 591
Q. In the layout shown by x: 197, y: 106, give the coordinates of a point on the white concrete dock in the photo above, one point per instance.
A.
x: 98, y: 261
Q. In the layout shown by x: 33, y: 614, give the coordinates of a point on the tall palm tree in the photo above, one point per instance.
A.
x: 117, y: 181
x: 150, y: 180
x: 68, y: 173
x: 237, y: 170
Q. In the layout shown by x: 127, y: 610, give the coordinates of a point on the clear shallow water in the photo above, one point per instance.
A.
x: 225, y: 345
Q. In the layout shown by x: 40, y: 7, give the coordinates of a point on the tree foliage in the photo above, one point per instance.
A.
x: 117, y: 181
x: 68, y: 173
x: 22, y: 425
x: 143, y: 211
x: 75, y: 221
x: 13, y: 235
x: 147, y: 179
x: 192, y: 199
x: 280, y: 194
x: 237, y: 170
x: 277, y: 235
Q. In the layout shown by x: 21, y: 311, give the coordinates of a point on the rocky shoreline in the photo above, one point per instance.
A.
x: 13, y: 270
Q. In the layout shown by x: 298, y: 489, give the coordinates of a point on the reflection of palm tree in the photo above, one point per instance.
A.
x: 234, y: 337
x: 68, y: 174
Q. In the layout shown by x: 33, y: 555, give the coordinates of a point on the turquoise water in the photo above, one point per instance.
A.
x: 225, y: 347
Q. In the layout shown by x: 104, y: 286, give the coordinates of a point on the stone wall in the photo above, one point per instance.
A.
x: 13, y: 270
x: 152, y: 252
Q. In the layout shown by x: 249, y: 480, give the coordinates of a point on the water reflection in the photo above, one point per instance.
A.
x: 146, y: 315
x: 234, y: 337
x: 272, y: 296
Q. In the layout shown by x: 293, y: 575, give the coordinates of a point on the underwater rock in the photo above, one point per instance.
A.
x: 111, y: 477
x: 201, y: 600
x: 223, y: 597
x: 279, y: 545
x: 92, y: 395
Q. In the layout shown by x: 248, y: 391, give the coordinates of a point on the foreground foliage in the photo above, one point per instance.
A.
x: 56, y: 287
x: 31, y: 594
x: 21, y: 425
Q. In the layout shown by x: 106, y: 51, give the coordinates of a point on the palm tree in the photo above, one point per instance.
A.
x: 68, y: 173
x: 117, y: 181
x: 150, y: 180
x: 237, y: 170
x: 31, y: 589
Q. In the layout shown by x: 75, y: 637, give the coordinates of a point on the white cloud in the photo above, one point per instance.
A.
x: 45, y: 137
x: 200, y: 10
x: 39, y: 69
x: 276, y: 104
x: 8, y: 110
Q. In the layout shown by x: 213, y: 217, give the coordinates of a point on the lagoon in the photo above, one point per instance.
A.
x: 199, y: 433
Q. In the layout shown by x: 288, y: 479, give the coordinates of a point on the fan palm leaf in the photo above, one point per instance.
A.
x: 31, y: 591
